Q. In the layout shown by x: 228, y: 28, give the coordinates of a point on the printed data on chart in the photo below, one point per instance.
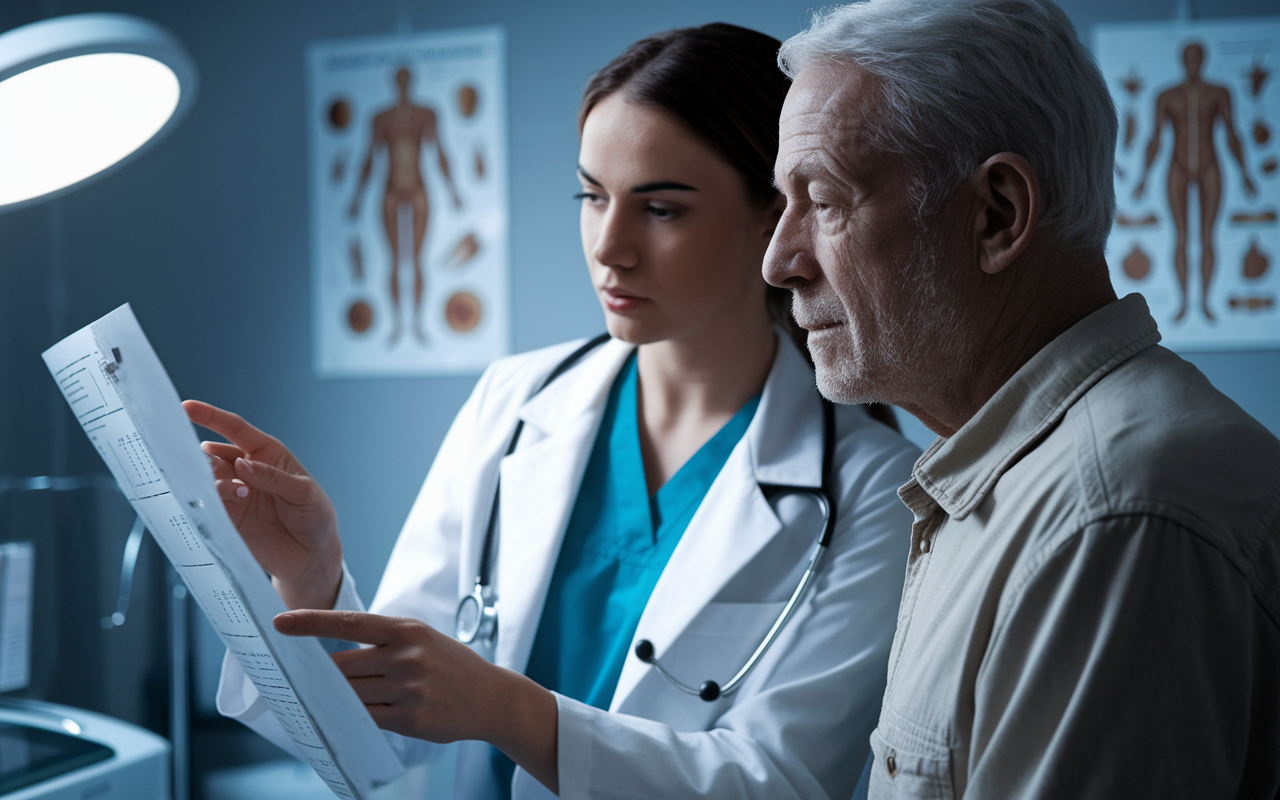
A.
x: 81, y: 384
x: 178, y: 538
x: 131, y: 413
x: 88, y: 385
x: 220, y: 603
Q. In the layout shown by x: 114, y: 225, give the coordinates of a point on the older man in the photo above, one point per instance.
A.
x: 1093, y: 588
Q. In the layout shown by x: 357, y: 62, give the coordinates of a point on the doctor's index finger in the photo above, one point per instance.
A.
x: 231, y: 427
x: 349, y: 626
x: 227, y: 453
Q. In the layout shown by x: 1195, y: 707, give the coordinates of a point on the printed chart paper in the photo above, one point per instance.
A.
x: 127, y: 406
x: 409, y: 227
x: 1197, y: 227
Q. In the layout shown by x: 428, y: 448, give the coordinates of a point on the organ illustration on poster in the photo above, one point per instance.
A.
x: 1198, y: 176
x: 409, y: 203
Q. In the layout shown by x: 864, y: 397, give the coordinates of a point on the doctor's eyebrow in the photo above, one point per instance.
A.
x: 659, y: 186
x: 656, y: 186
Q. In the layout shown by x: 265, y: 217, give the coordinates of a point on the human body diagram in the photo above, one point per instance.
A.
x: 402, y: 130
x: 1193, y: 109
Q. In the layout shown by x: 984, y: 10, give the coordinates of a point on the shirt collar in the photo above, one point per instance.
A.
x: 957, y: 473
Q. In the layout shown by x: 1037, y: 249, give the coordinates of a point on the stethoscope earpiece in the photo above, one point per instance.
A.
x: 709, y: 690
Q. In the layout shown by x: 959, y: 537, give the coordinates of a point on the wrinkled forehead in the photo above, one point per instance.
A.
x: 829, y: 109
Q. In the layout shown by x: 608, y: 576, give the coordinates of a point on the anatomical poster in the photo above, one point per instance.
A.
x: 1198, y: 177
x: 409, y: 203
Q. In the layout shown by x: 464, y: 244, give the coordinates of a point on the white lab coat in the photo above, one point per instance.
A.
x: 799, y: 725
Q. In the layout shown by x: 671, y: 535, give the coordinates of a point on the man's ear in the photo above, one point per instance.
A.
x: 1007, y: 210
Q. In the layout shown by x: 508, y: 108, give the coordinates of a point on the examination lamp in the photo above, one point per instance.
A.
x: 80, y: 95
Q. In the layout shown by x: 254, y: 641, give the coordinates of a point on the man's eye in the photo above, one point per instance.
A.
x: 663, y: 212
x: 589, y: 197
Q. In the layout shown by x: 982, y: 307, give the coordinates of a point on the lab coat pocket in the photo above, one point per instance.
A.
x: 917, y: 772
x: 720, y: 639
x: 713, y: 646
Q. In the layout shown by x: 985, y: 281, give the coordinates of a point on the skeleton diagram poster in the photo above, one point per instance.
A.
x: 1197, y: 188
x: 409, y: 203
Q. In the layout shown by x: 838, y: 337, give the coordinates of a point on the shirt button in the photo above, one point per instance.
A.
x: 892, y: 765
x: 924, y: 545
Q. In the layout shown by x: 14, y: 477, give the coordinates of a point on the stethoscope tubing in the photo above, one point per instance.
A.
x: 482, y: 604
x: 710, y: 690
x: 485, y: 627
x: 815, y: 561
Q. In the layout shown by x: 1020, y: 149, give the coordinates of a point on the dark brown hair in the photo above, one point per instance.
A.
x: 723, y: 83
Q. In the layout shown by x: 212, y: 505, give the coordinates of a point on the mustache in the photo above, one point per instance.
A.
x: 813, y: 309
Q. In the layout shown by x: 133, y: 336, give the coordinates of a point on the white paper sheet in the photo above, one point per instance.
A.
x: 126, y: 404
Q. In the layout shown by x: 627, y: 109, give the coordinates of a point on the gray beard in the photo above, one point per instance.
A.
x: 918, y: 353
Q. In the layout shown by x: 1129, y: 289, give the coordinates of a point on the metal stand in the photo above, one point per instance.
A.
x: 179, y: 633
x: 179, y: 722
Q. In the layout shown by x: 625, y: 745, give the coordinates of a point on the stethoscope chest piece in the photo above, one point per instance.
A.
x: 476, y: 620
x: 477, y: 616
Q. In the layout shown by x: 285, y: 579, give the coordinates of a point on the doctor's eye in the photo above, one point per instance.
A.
x: 663, y: 211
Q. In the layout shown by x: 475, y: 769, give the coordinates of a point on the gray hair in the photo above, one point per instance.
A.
x: 963, y: 80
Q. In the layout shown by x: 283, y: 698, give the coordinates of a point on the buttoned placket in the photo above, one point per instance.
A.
x: 929, y: 517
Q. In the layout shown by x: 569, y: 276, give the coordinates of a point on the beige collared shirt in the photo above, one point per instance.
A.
x: 1092, y: 601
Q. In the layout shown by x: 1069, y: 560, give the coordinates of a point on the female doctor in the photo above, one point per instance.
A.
x: 617, y: 516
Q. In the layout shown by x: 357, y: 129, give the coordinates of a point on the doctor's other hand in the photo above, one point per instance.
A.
x: 284, y: 516
x: 419, y: 682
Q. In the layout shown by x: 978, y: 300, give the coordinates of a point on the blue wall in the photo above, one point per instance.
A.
x: 207, y: 236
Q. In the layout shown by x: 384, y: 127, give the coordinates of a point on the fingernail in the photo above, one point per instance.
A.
x: 242, y: 491
x: 286, y: 622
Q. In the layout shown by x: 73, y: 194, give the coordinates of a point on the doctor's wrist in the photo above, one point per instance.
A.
x: 523, y: 722
x: 317, y: 588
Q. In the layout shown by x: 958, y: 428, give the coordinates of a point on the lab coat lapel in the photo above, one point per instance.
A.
x: 783, y: 445
x: 539, y: 488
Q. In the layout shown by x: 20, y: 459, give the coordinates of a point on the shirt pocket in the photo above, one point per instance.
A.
x: 913, y: 772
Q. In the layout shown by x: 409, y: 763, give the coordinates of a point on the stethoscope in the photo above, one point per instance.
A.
x: 477, y: 618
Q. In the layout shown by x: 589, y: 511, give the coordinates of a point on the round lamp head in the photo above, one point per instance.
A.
x: 81, y: 95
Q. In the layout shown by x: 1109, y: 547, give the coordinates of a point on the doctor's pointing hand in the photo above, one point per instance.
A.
x: 413, y: 679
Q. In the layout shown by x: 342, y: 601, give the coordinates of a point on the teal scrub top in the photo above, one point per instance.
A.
x: 617, y: 544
